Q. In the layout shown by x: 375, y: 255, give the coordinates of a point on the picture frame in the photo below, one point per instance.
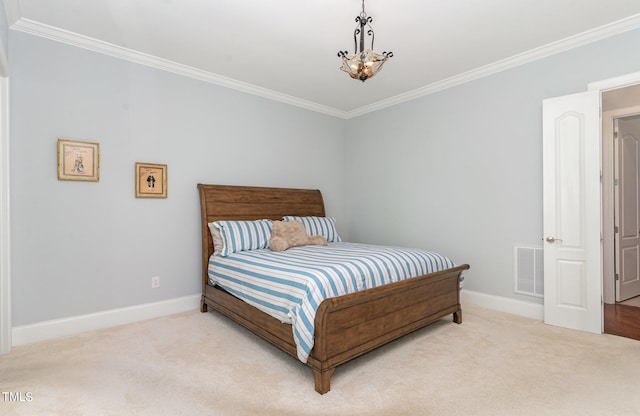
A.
x: 78, y: 161
x: 151, y: 180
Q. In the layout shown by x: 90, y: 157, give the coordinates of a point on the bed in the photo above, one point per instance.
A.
x: 345, y: 327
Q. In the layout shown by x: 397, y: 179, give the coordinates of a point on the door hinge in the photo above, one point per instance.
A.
x: 617, y: 277
x: 615, y: 182
x: 615, y: 229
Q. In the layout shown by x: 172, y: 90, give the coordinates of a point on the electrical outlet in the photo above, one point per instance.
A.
x: 155, y: 282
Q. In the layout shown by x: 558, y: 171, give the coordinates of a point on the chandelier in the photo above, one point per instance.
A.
x: 365, y: 63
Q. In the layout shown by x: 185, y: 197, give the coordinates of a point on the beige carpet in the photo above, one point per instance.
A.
x: 632, y: 302
x: 202, y: 364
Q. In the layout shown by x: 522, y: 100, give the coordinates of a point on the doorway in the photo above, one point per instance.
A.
x: 621, y: 210
x: 626, y: 163
x: 578, y: 159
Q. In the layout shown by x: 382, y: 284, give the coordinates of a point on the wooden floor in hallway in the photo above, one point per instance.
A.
x: 622, y: 320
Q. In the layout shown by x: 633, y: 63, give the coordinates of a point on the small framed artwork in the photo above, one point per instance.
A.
x: 151, y: 180
x: 78, y: 161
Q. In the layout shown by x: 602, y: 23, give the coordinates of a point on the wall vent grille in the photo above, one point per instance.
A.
x: 529, y: 271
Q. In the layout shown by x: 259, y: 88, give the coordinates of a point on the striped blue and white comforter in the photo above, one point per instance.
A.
x: 290, y: 285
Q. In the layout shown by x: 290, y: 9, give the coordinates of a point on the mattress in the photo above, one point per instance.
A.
x: 290, y: 285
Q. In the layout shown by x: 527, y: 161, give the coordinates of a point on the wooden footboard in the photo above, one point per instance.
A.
x: 345, y: 327
x: 351, y: 325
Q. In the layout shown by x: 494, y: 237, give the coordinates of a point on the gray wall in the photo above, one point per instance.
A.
x: 83, y: 247
x: 4, y: 29
x: 4, y: 42
x: 458, y: 171
x: 461, y: 170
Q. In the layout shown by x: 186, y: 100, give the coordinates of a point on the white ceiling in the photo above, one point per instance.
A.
x: 286, y: 49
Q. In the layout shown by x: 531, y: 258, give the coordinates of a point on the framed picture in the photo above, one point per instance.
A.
x: 78, y: 161
x: 151, y: 180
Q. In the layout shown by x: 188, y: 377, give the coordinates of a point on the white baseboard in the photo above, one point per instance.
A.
x: 43, y: 331
x: 502, y: 304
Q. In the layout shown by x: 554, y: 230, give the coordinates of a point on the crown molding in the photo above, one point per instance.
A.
x: 581, y: 39
x: 96, y: 45
x: 85, y: 42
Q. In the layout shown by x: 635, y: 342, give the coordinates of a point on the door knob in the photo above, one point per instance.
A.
x: 553, y: 240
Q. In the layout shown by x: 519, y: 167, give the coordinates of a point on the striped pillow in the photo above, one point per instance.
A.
x: 243, y: 235
x: 324, y: 226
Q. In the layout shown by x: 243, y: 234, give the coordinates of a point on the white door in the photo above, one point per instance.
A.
x: 627, y: 218
x: 572, y: 212
x: 5, y: 270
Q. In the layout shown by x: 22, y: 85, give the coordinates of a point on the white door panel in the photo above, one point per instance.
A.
x: 572, y: 212
x: 627, y: 213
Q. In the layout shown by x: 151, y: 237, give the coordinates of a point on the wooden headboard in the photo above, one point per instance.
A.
x: 226, y: 202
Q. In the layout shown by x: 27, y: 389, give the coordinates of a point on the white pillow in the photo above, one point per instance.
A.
x: 324, y: 226
x: 218, y: 242
x: 243, y: 235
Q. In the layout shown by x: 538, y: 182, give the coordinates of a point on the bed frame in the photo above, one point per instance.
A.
x: 345, y: 327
